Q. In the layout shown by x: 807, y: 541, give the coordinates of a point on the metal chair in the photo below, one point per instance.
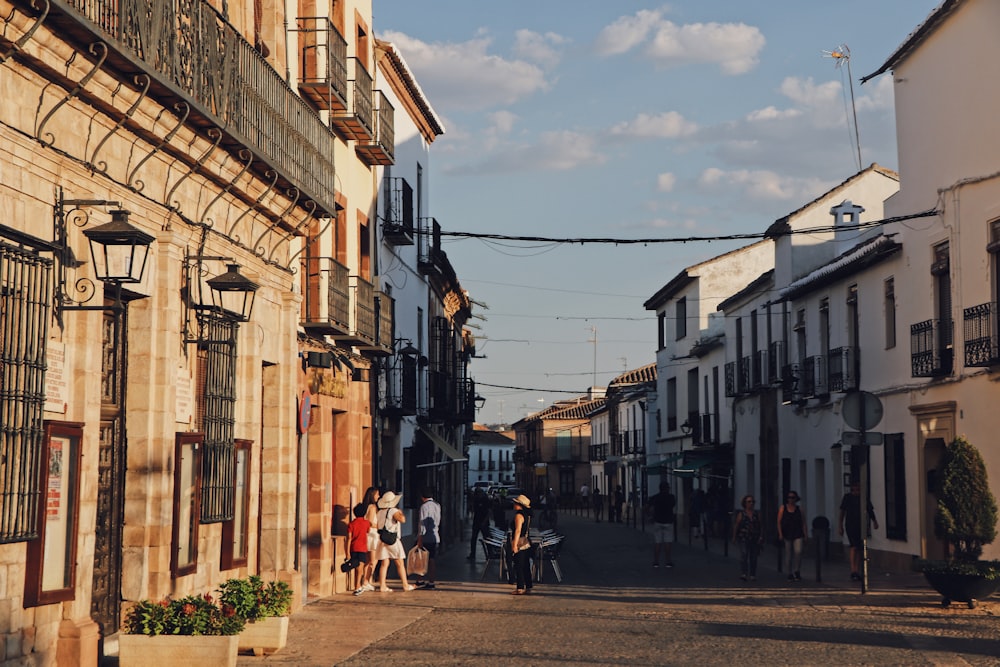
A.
x: 493, y: 551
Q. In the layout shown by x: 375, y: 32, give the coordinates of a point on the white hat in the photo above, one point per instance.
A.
x: 388, y: 499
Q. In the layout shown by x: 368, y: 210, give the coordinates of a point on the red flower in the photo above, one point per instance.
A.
x: 229, y: 610
x: 188, y: 609
x: 165, y: 602
x: 208, y: 597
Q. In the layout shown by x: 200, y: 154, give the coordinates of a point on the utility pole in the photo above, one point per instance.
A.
x: 593, y: 340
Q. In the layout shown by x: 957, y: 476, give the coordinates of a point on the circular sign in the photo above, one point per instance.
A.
x: 862, y: 410
x: 305, y: 412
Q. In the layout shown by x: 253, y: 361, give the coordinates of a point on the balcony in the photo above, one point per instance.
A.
x: 932, y: 348
x: 791, y: 389
x: 758, y: 371
x: 381, y: 149
x: 598, y: 453
x: 840, y: 366
x: 738, y: 377
x: 813, y: 377
x: 383, y: 314
x: 322, y: 64
x: 199, y: 63
x: 451, y: 400
x: 356, y: 121
x: 326, y: 307
x: 362, y: 329
x: 397, y: 211
x: 430, y: 258
x: 401, y: 387
x: 775, y: 361
x: 980, y: 328
x: 701, y: 428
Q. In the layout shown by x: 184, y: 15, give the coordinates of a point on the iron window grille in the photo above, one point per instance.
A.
x: 217, y: 385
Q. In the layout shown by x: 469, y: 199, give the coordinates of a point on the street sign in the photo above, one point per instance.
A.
x: 854, y: 439
x: 862, y: 410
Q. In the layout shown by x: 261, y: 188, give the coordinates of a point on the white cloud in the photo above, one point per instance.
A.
x: 626, y: 32
x: 501, y: 122
x: 667, y: 125
x: 538, y: 48
x: 734, y: 47
x: 464, y: 75
x: 761, y: 184
x: 554, y: 151
x: 665, y: 182
x: 772, y: 113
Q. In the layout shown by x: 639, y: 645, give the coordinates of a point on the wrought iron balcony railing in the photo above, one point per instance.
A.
x: 401, y: 387
x: 397, y: 211
x: 758, y: 370
x: 791, y: 387
x: 362, y: 310
x: 357, y: 120
x: 599, y: 452
x: 200, y: 62
x: 430, y: 257
x: 980, y: 329
x: 322, y: 63
x: 775, y: 361
x: 932, y: 348
x: 326, y: 308
x: 840, y: 366
x: 380, y: 150
x: 814, y: 383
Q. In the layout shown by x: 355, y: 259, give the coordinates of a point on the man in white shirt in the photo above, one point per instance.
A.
x: 429, y: 535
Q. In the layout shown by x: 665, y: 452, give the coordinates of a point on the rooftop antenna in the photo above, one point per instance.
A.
x: 842, y: 54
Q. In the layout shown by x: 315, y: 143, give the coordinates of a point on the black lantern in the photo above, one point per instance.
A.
x: 233, y: 293
x: 119, y: 250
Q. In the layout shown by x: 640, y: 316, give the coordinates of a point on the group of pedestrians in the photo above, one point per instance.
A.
x: 375, y: 539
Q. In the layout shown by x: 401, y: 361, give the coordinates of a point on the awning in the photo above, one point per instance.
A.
x: 442, y: 444
x: 692, y: 467
x: 664, y: 466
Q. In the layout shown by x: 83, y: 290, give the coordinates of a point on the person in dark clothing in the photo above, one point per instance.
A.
x: 747, y: 532
x: 480, y: 520
x: 521, y: 548
x: 661, y: 507
x: 850, y: 513
x: 598, y: 505
x: 792, y: 532
x: 619, y: 504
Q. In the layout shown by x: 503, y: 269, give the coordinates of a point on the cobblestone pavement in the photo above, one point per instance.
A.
x: 613, y: 608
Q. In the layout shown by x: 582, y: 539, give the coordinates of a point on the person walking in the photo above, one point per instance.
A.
x: 850, y: 514
x: 480, y: 520
x: 748, y: 534
x: 370, y: 501
x: 391, y: 519
x: 598, y: 505
x: 357, y: 540
x: 661, y: 507
x: 792, y: 533
x: 619, y: 505
x: 520, y: 545
x: 429, y: 535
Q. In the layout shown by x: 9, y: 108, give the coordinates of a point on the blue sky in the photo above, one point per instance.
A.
x: 581, y: 118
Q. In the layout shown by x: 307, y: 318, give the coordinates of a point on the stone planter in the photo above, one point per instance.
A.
x: 265, y: 635
x: 173, y: 650
x: 966, y: 588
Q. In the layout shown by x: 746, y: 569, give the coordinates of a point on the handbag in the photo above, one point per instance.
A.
x: 387, y: 536
x: 416, y: 560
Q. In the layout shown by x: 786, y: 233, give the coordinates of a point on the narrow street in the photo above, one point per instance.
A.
x: 613, y: 608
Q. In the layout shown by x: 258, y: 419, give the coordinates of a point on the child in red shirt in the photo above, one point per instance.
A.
x: 357, y: 539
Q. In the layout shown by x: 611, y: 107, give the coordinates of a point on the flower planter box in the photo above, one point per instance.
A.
x: 173, y: 650
x: 265, y: 635
x: 966, y: 588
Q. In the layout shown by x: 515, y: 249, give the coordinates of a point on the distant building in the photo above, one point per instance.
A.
x: 491, y: 456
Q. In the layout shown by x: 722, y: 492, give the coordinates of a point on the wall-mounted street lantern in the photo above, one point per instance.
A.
x: 480, y: 401
x: 117, y: 248
x: 686, y: 427
x: 231, y: 297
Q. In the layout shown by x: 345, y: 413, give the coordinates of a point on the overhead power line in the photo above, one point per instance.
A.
x: 686, y: 239
x: 549, y: 391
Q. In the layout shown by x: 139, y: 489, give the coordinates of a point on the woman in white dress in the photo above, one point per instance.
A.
x: 391, y: 519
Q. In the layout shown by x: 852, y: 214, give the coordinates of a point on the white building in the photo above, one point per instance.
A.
x: 491, y: 456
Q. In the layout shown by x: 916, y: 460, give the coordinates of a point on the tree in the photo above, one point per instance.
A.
x: 967, y: 511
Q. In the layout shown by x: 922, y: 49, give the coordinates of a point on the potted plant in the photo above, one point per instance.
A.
x: 966, y: 518
x: 169, y: 632
x: 264, y: 605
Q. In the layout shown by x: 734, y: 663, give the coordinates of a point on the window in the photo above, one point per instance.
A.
x: 895, y: 486
x: 216, y: 417
x: 24, y: 317
x: 235, y: 536
x: 890, y: 313
x: 671, y: 404
x: 187, y: 503
x: 50, y: 574
x: 681, y: 318
x: 661, y: 332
